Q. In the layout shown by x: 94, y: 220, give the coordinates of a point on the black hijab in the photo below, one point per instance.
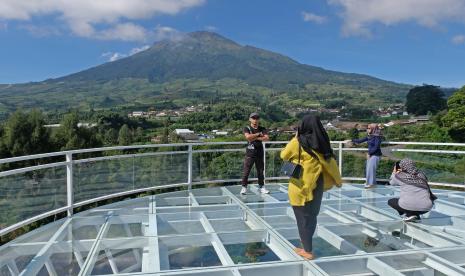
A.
x: 312, y: 136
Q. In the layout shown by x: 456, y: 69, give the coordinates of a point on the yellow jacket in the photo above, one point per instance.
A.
x: 301, y: 190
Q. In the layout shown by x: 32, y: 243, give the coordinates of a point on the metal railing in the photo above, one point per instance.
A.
x: 68, y: 179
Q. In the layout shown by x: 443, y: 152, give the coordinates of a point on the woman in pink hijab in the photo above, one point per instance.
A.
x: 373, y: 139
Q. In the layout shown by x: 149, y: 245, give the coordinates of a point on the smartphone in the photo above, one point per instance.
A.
x: 397, y: 165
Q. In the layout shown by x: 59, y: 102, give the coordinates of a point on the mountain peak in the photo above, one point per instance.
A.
x: 205, y: 34
x: 210, y: 37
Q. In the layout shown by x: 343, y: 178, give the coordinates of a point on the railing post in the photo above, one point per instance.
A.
x: 340, y: 158
x: 69, y: 183
x: 264, y: 161
x: 189, y: 168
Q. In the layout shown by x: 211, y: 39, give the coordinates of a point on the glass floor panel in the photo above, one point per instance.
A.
x: 217, y: 232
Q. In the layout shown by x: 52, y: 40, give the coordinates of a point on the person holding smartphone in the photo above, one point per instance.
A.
x: 311, y: 146
x: 415, y: 197
x: 373, y: 139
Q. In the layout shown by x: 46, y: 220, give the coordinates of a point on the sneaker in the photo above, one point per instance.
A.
x: 369, y: 186
x: 263, y: 190
x: 396, y: 233
x: 243, y: 191
x: 411, y: 219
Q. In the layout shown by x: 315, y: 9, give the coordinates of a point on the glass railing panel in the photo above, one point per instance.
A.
x: 218, y: 166
x: 103, y: 177
x: 441, y: 168
x: 273, y: 162
x: 28, y: 194
x: 354, y: 165
x: 159, y: 170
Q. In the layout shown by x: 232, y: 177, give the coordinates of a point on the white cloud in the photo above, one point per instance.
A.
x: 311, y: 17
x: 211, y: 28
x: 41, y: 31
x: 167, y: 33
x: 458, y: 39
x: 126, y: 32
x: 84, y: 17
x: 358, y: 15
x: 138, y: 49
x: 113, y: 56
x: 116, y: 56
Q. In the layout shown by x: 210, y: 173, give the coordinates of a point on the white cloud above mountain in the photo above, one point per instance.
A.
x: 359, y: 15
x: 113, y: 56
x: 167, y: 33
x: 41, y: 31
x: 314, y: 18
x: 458, y: 39
x: 102, y: 19
x: 138, y: 49
x: 211, y: 28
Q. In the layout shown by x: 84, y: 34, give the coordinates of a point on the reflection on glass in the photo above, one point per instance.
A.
x: 199, y: 256
x: 321, y: 248
x: 251, y: 253
x: 102, y: 265
x: 408, y: 239
x: 124, y: 230
x: 66, y: 263
x: 126, y: 259
x: 368, y: 244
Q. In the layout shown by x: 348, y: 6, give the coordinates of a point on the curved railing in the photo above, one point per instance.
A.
x: 39, y: 186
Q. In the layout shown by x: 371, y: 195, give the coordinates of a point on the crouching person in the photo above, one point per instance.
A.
x: 416, y: 197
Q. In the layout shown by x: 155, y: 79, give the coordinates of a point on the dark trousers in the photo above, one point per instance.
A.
x: 306, y: 216
x: 259, y: 165
x: 394, y: 203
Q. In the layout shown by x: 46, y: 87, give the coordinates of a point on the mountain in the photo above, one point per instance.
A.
x: 193, y: 67
x: 211, y: 56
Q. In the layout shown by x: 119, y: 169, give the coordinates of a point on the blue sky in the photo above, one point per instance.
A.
x: 408, y: 41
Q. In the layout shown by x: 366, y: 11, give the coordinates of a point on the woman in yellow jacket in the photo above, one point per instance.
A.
x: 320, y: 173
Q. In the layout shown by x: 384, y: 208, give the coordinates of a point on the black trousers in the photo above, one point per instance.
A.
x: 249, y: 161
x: 394, y: 203
x: 306, y: 216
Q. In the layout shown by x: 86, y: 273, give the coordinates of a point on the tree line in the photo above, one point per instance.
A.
x: 25, y: 133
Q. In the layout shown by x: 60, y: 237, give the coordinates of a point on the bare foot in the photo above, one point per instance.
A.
x: 298, y: 250
x: 306, y: 255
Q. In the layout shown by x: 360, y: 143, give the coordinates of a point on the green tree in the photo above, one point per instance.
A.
x: 353, y: 133
x: 424, y: 99
x: 110, y: 137
x: 70, y: 136
x: 124, y: 136
x: 455, y: 117
x: 166, y: 132
x: 139, y: 135
x: 25, y: 134
x: 357, y: 112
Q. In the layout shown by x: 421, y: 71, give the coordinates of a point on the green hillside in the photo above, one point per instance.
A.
x: 199, y: 68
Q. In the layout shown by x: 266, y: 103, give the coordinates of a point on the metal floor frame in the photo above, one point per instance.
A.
x: 140, y: 236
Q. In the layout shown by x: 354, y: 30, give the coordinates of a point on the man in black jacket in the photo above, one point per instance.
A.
x: 255, y: 135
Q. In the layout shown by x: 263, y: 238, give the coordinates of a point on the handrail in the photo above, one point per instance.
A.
x: 184, y: 149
